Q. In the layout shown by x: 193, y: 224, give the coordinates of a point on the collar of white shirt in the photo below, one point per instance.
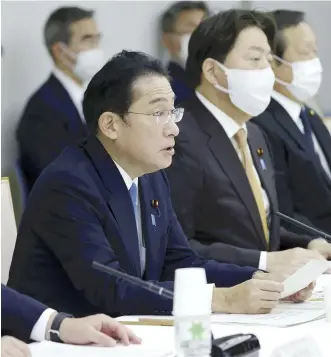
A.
x: 293, y: 109
x: 75, y: 91
x: 126, y: 177
x: 229, y: 125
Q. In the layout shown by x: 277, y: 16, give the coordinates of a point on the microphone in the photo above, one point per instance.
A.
x: 147, y: 285
x: 305, y: 227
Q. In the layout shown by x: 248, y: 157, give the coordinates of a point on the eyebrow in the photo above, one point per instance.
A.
x: 90, y: 36
x: 260, y: 49
x: 160, y: 99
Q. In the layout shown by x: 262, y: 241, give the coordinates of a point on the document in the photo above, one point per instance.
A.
x: 281, y: 316
x: 304, y: 276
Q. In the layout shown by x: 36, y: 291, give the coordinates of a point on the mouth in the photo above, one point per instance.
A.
x: 169, y: 149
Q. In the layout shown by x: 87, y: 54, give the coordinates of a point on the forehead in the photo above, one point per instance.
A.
x: 299, y: 36
x: 83, y: 27
x: 250, y: 38
x: 189, y: 19
x: 151, y: 89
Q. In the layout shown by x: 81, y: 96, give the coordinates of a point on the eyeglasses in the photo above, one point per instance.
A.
x: 164, y: 117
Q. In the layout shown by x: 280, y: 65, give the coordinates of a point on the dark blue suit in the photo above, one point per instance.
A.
x: 80, y: 210
x: 19, y: 313
x: 50, y: 122
x: 179, y: 83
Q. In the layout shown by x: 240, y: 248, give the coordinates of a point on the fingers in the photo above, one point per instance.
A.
x: 99, y: 338
x: 22, y: 347
x: 133, y: 337
x: 272, y: 286
x: 121, y: 333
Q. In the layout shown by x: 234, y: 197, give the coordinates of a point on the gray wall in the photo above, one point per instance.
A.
x: 124, y: 24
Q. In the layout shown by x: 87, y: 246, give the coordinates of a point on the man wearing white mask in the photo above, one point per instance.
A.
x: 222, y: 176
x: 53, y: 116
x: 177, y: 24
x: 300, y: 142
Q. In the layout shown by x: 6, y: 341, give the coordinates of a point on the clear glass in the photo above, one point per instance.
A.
x: 164, y: 117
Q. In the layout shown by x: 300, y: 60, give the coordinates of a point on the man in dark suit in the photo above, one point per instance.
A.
x: 177, y: 24
x: 105, y: 200
x: 24, y: 319
x: 300, y: 142
x: 222, y: 177
x: 53, y: 117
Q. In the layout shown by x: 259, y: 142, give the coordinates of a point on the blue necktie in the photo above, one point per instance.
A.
x: 308, y: 135
x: 133, y: 194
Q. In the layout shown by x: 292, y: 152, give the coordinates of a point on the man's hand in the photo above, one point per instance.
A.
x: 255, y: 296
x: 12, y: 347
x: 321, y: 246
x: 97, y: 329
x: 302, y: 295
x: 293, y: 258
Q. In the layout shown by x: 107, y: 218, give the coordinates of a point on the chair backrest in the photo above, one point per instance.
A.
x: 19, y: 190
x: 8, y: 229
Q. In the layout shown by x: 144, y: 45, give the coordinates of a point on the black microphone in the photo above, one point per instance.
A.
x: 158, y: 290
x: 304, y: 226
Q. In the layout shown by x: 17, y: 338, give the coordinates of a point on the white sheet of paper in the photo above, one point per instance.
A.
x: 304, y: 276
x: 281, y: 316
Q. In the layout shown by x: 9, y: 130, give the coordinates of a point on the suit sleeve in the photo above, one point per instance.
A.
x: 19, y: 313
x: 42, y: 136
x: 180, y: 255
x: 186, y: 184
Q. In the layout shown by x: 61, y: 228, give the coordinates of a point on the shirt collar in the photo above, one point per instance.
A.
x: 229, y: 125
x: 126, y: 177
x: 75, y: 91
x: 293, y: 109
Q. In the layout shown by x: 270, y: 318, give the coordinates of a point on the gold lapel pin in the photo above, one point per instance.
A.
x: 311, y: 112
x: 155, y: 203
x: 260, y: 151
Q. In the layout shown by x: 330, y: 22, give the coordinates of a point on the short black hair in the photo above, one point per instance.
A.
x: 216, y: 36
x: 57, y: 26
x: 285, y: 19
x: 170, y: 16
x: 111, y: 89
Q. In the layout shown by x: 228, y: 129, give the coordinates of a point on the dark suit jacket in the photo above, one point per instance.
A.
x: 212, y: 196
x: 179, y: 83
x: 50, y: 122
x: 304, y: 191
x: 79, y: 211
x: 19, y: 313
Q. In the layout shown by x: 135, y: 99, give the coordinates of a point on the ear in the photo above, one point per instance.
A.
x: 211, y: 71
x: 109, y: 125
x: 169, y: 43
x: 57, y: 51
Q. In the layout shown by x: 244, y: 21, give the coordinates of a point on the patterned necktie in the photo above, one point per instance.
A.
x: 134, y: 196
x: 241, y: 138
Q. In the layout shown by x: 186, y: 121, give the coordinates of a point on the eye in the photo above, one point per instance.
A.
x: 160, y: 113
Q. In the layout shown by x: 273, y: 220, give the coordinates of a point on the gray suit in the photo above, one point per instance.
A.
x: 212, y: 196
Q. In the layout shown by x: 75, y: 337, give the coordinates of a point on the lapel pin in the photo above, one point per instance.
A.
x: 311, y: 112
x: 155, y: 203
x: 260, y: 151
x: 153, y: 220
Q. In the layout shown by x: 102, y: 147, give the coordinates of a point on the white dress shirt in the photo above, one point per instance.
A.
x: 142, y: 249
x: 76, y: 92
x: 38, y: 332
x: 231, y: 128
x: 293, y: 109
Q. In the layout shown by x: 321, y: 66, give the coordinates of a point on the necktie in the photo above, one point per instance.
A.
x: 133, y: 194
x: 241, y: 138
x: 308, y: 135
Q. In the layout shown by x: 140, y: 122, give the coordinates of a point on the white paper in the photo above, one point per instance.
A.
x: 281, y: 316
x: 304, y: 276
x: 52, y: 349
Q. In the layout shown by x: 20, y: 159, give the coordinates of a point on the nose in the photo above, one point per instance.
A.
x: 171, y: 129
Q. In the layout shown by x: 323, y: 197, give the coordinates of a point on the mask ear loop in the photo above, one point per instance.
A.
x: 217, y: 86
x: 281, y: 60
x: 70, y: 53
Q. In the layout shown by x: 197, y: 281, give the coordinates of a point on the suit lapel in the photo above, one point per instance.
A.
x: 119, y: 202
x: 149, y: 226
x: 224, y: 152
x: 283, y: 118
x: 263, y: 167
x: 322, y: 134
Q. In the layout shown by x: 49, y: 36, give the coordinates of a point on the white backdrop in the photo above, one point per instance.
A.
x: 124, y: 24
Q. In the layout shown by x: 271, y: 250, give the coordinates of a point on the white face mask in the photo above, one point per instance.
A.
x: 87, y: 63
x: 249, y: 89
x: 183, y: 54
x: 307, y: 78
